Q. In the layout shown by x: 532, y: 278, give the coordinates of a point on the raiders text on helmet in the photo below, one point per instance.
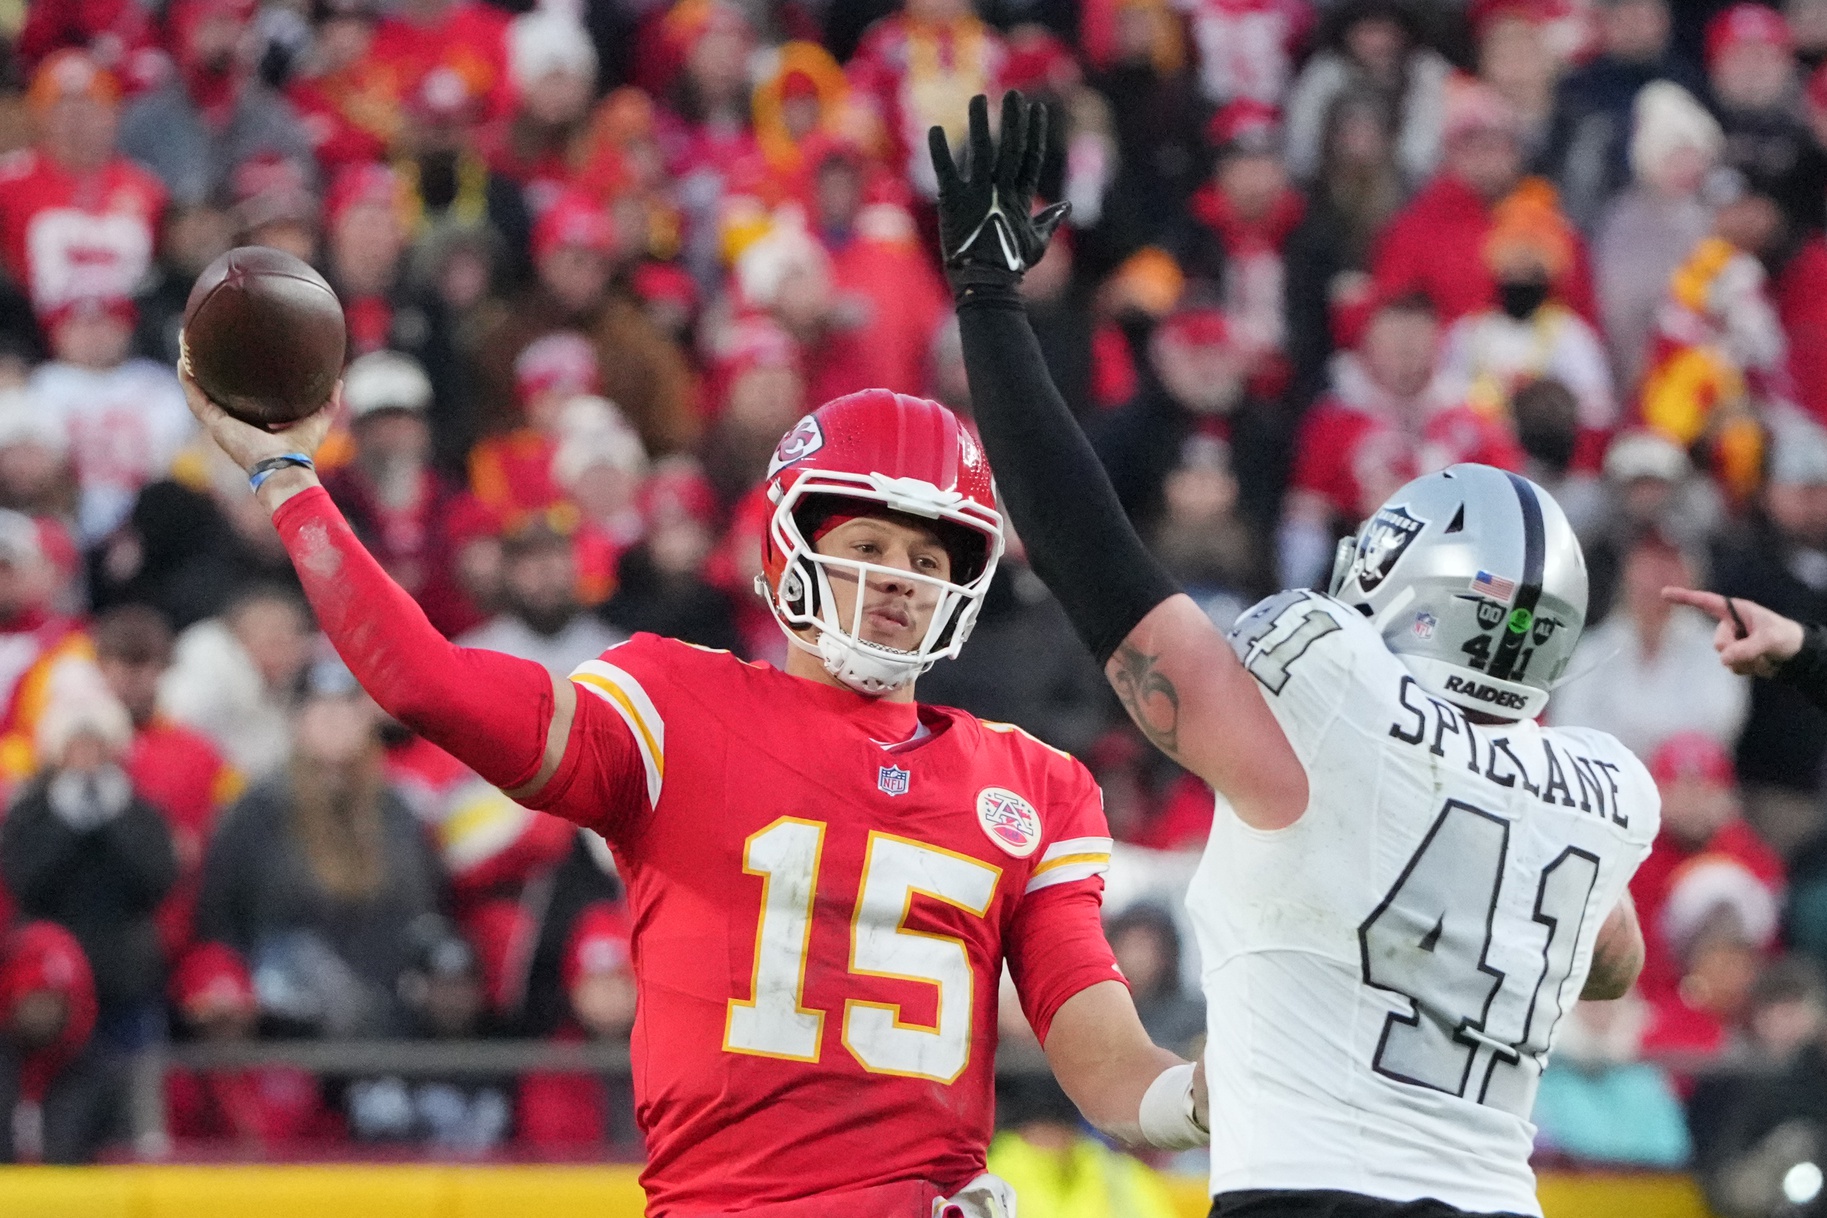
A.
x: 893, y: 451
x: 1474, y: 577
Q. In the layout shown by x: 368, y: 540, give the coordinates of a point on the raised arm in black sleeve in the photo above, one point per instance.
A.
x: 1805, y: 671
x: 1077, y: 536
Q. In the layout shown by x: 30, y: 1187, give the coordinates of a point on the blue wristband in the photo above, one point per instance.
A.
x: 269, y: 466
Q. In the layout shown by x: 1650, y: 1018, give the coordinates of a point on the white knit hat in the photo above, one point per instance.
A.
x: 545, y: 41
x: 593, y: 431
x: 1666, y: 118
x: 81, y: 704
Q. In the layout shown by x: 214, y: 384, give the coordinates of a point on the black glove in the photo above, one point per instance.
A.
x: 984, y: 226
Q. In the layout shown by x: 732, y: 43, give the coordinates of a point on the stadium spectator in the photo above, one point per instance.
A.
x: 917, y: 69
x: 1487, y: 355
x: 1751, y: 67
x: 542, y: 619
x: 888, y: 302
x: 213, y: 113
x: 1648, y: 672
x: 1760, y: 1132
x: 315, y: 876
x: 1648, y: 483
x: 49, y: 646
x: 1600, y: 1103
x: 1700, y: 825
x: 1147, y: 946
x: 448, y: 184
x: 82, y: 848
x: 1057, y: 1169
x: 420, y: 37
x: 1328, y: 258
x: 574, y: 250
x: 763, y: 379
x: 392, y: 496
x: 1372, y: 46
x: 272, y: 205
x: 1436, y: 244
x: 1349, y: 453
x: 665, y: 585
x: 1589, y: 151
x: 174, y: 768
x: 124, y: 418
x: 77, y: 219
x: 1242, y: 219
x: 365, y: 253
x: 441, y: 992
x: 568, y: 1112
x: 1559, y: 454
x: 347, y: 101
x: 600, y: 464
x: 35, y: 474
x: 62, y: 1099
x: 1143, y: 71
x: 1196, y: 383
x: 1647, y: 230
x: 1203, y: 538
x: 256, y: 1112
x: 117, y: 33
x: 1518, y: 49
x: 552, y: 81
x: 233, y: 678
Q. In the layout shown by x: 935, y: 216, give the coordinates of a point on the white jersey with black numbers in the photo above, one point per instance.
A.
x: 1385, y: 978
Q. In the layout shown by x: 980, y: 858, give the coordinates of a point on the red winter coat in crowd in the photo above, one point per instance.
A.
x: 1435, y: 246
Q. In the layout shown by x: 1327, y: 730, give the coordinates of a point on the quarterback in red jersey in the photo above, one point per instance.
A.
x: 825, y: 876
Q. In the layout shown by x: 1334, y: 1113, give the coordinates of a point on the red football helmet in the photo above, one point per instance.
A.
x: 888, y: 451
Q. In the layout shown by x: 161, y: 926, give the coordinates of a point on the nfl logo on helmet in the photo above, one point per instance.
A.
x: 892, y: 779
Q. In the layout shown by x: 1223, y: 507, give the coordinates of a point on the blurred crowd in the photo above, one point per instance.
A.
x: 597, y: 258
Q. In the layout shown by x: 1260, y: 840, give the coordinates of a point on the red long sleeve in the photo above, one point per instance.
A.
x: 490, y: 711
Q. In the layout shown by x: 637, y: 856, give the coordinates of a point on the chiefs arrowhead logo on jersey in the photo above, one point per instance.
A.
x: 1009, y: 821
x: 1381, y: 545
x: 805, y: 439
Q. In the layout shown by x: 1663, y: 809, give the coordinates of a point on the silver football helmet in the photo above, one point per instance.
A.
x: 1474, y: 577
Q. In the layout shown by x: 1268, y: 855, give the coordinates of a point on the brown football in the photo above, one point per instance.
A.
x: 264, y: 336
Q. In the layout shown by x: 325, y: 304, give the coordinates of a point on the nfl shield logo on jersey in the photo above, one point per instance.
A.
x: 1009, y: 821
x: 892, y: 779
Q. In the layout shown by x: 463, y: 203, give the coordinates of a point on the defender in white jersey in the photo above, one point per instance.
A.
x: 1409, y: 881
x: 1386, y: 970
x: 1385, y: 976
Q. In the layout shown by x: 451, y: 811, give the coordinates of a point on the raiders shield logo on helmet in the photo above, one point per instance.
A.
x: 1381, y: 544
x: 805, y: 439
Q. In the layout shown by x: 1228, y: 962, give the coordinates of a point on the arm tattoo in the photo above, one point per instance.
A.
x: 1148, y: 696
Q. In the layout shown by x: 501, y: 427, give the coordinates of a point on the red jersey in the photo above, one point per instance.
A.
x: 65, y: 236
x: 824, y: 888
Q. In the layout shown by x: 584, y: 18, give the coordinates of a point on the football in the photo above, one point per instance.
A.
x: 264, y: 336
